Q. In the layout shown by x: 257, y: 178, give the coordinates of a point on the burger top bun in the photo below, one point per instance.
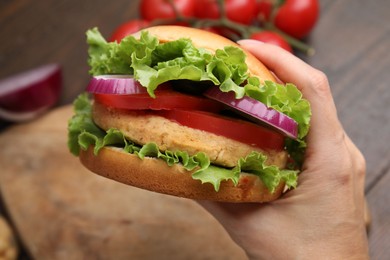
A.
x: 209, y: 41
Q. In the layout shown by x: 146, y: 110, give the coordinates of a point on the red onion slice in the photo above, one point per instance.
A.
x: 115, y: 84
x: 22, y: 116
x: 256, y: 111
x: 28, y: 94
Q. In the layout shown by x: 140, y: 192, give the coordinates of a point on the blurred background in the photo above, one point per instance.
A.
x: 351, y: 40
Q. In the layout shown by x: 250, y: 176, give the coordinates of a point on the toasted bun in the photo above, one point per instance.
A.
x: 154, y: 174
x: 209, y: 41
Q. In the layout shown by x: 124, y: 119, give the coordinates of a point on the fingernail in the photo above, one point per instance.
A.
x: 249, y: 41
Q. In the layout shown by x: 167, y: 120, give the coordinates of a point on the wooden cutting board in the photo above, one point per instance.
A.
x: 62, y: 211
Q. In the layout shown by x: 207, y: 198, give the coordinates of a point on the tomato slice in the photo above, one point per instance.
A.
x: 236, y: 129
x: 165, y: 100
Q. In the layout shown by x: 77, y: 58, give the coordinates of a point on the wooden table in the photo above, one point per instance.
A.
x: 352, y: 42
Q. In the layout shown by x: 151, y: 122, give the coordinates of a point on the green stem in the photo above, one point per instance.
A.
x: 175, y: 10
x: 299, y: 45
x: 222, y: 9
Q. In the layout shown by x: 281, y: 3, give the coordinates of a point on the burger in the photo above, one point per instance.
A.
x: 188, y: 113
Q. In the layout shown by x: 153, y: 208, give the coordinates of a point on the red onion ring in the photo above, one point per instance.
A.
x: 115, y: 84
x: 256, y: 111
x: 28, y: 94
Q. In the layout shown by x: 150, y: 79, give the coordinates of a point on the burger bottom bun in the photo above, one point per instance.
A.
x: 155, y: 175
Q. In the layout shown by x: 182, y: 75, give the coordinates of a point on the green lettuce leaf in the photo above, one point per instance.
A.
x: 80, y: 123
x: 82, y: 133
x: 270, y: 175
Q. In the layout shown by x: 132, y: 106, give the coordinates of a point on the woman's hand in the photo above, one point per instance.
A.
x: 324, y: 216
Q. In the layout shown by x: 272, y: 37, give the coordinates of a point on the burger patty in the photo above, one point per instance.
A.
x: 144, y: 127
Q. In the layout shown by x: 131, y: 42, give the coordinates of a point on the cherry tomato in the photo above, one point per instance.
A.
x: 165, y: 99
x: 128, y: 28
x: 241, y: 11
x: 263, y: 10
x: 162, y: 9
x: 272, y: 38
x: 295, y: 17
x: 236, y: 129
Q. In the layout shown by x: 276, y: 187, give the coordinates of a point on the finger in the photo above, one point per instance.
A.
x: 313, y: 84
x: 286, y: 66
